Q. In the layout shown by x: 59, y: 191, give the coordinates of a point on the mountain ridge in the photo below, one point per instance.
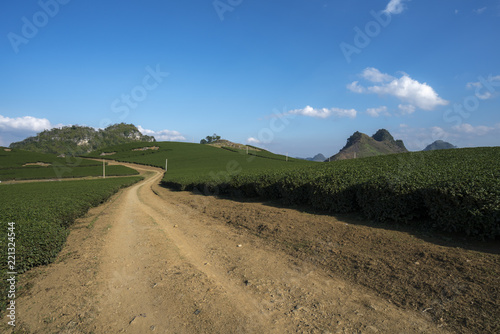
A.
x: 75, y: 140
x: 318, y: 158
x: 439, y: 145
x: 360, y: 145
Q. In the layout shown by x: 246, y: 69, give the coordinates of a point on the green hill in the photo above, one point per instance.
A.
x: 76, y: 140
x: 188, y: 162
x: 360, y: 145
x: 451, y: 190
x: 439, y: 145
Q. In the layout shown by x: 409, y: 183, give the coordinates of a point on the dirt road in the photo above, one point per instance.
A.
x: 146, y: 261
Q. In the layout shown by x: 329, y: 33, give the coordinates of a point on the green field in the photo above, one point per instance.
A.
x: 189, y: 163
x: 452, y: 190
x: 17, y: 165
x: 13, y: 158
x: 447, y: 190
x: 41, y: 213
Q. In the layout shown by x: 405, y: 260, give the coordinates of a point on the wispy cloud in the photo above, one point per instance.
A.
x: 479, y: 11
x: 253, y: 141
x: 162, y: 135
x: 376, y: 112
x: 478, y: 130
x: 323, y: 112
x: 419, y: 138
x: 355, y: 87
x: 406, y: 89
x: 395, y: 7
x: 482, y: 92
x: 407, y: 109
x: 374, y: 75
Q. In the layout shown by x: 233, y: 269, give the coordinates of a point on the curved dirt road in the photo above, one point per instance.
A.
x: 145, y: 262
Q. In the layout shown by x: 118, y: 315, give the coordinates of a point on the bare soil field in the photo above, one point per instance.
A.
x: 154, y: 260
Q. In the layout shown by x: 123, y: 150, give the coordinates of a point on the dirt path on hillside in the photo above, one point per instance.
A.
x: 153, y: 260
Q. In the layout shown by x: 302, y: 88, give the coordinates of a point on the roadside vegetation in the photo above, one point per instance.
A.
x: 42, y: 212
x: 447, y: 190
x: 450, y: 190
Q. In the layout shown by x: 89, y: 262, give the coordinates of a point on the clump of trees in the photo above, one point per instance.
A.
x: 210, y: 139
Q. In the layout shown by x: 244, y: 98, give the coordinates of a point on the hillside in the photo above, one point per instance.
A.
x: 360, y: 145
x: 76, y: 140
x: 439, y: 145
x: 223, y: 143
x: 201, y: 161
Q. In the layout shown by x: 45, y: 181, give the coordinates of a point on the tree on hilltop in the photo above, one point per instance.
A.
x: 210, y: 139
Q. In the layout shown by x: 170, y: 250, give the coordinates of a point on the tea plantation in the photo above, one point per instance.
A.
x: 452, y: 190
x: 189, y: 161
x: 24, y: 165
x: 447, y: 190
x: 41, y: 213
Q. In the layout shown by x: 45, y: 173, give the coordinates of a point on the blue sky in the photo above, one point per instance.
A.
x: 296, y: 76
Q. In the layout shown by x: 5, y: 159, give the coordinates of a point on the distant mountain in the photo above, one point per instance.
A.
x: 439, y: 145
x: 360, y: 145
x: 318, y: 157
x: 75, y: 140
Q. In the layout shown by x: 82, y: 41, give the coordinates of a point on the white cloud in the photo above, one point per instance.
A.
x: 471, y: 85
x: 374, y: 75
x: 479, y: 11
x: 253, y: 140
x: 376, y: 112
x: 407, y: 109
x: 461, y: 135
x: 479, y: 130
x: 395, y: 7
x: 162, y: 135
x: 355, y: 87
x: 485, y: 93
x: 25, y: 123
x: 412, y: 91
x: 19, y: 128
x: 323, y: 112
x: 417, y: 139
x: 405, y: 89
x: 438, y: 132
x: 477, y: 85
x: 485, y: 96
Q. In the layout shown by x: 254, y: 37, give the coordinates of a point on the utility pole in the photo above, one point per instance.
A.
x: 247, y: 149
x: 103, y: 169
x: 166, y: 165
x: 286, y: 156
